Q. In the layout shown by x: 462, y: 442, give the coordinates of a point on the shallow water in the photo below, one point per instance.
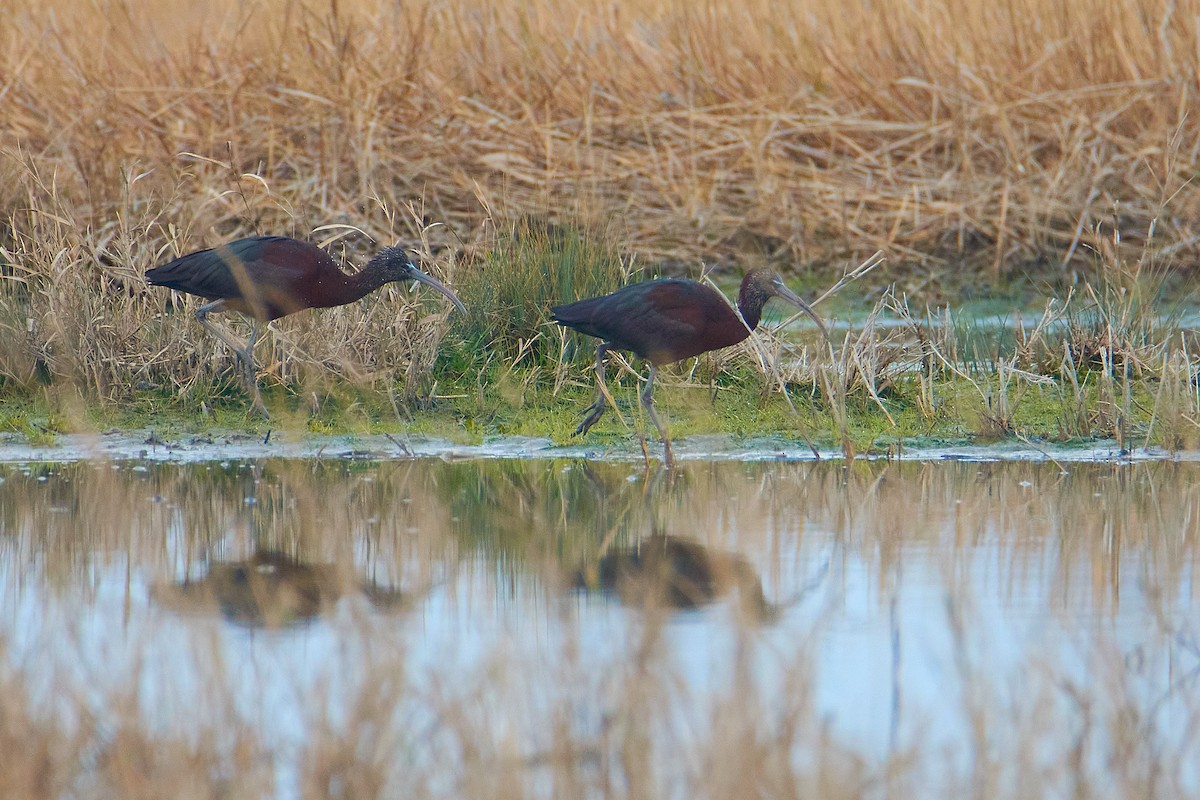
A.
x: 934, y: 614
x: 218, y: 446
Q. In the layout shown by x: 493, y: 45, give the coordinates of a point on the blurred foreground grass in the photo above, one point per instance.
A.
x: 1001, y: 630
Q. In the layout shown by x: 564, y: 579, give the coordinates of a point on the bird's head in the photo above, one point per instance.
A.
x: 395, y: 265
x: 762, y: 284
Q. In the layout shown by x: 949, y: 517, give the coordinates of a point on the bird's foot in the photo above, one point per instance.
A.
x: 250, y: 381
x: 257, y: 407
x: 594, y: 413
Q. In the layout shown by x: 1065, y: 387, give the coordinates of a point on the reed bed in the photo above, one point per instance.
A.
x: 936, y: 131
x: 970, y: 141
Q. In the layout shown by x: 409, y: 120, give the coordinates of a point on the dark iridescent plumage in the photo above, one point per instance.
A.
x: 667, y: 320
x: 268, y: 277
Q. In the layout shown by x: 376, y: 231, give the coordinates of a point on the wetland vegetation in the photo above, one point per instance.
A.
x: 367, y: 628
x: 1038, y: 153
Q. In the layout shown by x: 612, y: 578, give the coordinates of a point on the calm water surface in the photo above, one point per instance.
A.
x: 951, y: 610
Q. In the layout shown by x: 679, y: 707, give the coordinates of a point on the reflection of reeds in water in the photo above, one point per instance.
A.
x: 411, y: 519
x: 633, y: 725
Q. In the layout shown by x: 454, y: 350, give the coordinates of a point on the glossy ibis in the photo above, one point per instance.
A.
x: 268, y: 277
x: 667, y: 320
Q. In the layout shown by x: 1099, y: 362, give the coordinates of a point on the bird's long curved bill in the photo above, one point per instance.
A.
x: 429, y: 280
x: 789, y: 296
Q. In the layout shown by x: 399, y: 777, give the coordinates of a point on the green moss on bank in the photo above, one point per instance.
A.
x: 516, y: 404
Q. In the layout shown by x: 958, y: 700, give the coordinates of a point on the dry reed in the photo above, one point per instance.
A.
x: 960, y: 136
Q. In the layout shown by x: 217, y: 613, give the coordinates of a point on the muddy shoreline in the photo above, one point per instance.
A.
x: 146, y: 445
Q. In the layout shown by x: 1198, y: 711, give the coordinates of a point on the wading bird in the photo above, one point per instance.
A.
x: 268, y: 277
x: 667, y: 320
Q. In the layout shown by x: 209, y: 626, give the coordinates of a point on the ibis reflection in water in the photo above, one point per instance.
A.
x: 673, y: 573
x: 270, y: 590
x: 268, y: 277
x: 667, y: 320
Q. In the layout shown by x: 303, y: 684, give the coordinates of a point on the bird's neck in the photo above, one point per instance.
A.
x: 750, y: 303
x: 363, y: 282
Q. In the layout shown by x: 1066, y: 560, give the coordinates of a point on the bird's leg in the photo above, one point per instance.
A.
x: 645, y: 452
x: 241, y: 348
x: 244, y: 350
x: 648, y: 403
x: 251, y: 373
x: 596, y: 410
x: 246, y: 356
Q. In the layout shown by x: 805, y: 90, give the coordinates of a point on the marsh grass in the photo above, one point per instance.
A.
x: 994, y: 134
x: 509, y: 288
x: 533, y: 153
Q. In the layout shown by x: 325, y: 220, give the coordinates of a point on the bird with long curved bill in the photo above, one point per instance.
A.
x: 667, y: 320
x: 268, y: 277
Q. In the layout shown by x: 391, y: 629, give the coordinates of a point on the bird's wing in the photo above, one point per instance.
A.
x: 661, y: 320
x: 204, y: 273
x: 227, y: 271
x: 664, y: 325
x: 676, y: 308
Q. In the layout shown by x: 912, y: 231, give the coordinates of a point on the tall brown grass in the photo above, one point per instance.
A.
x: 932, y: 129
x: 963, y: 138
